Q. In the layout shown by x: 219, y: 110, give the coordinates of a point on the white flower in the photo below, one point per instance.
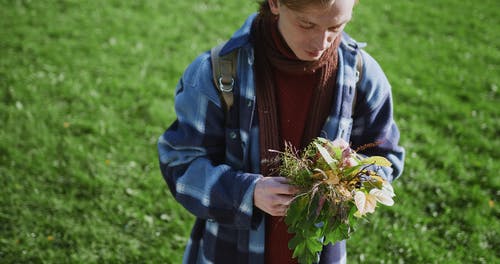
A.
x: 365, y: 203
x: 382, y: 196
x: 387, y: 187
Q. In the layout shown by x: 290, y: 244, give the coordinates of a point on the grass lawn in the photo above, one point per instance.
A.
x: 86, y: 88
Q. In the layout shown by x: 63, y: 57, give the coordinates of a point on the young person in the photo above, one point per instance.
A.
x: 296, y: 79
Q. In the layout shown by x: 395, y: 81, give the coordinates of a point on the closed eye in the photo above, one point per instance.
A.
x: 306, y: 25
x: 334, y: 29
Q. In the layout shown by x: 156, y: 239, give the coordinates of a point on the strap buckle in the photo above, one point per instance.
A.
x: 228, y: 85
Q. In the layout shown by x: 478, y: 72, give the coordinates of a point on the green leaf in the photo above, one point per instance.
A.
x: 306, y: 242
x: 295, y: 212
x: 377, y: 160
x: 338, y: 234
x: 300, y: 248
x: 353, y: 170
x: 314, y: 245
x: 295, y: 241
x: 337, y: 153
x: 326, y: 156
x: 307, y: 251
x: 353, y: 220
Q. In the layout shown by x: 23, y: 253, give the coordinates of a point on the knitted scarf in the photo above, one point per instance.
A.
x: 271, y: 51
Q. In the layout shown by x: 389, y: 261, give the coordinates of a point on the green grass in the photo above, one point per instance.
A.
x: 86, y: 88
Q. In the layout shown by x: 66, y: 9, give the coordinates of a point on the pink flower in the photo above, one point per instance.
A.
x: 348, y: 154
x: 349, y: 162
x: 340, y: 143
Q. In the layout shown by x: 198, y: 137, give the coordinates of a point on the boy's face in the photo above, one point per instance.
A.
x: 311, y: 31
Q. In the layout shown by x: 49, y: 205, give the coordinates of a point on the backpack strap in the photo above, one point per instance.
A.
x: 224, y: 74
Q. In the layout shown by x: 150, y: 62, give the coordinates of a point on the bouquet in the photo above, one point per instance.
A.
x: 338, y: 186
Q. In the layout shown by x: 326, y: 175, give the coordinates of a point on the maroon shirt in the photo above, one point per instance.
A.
x: 294, y: 93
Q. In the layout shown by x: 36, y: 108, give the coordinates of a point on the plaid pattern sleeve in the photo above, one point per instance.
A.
x: 374, y: 121
x: 191, y: 155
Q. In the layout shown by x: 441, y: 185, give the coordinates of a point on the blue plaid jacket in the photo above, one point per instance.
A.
x: 211, y: 167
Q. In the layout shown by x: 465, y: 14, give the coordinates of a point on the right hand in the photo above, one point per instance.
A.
x: 273, y: 195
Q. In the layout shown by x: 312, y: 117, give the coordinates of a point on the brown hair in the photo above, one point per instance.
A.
x: 300, y: 4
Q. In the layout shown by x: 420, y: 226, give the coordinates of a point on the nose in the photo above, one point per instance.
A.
x: 324, y: 40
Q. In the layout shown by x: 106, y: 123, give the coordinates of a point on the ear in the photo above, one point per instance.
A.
x: 273, y: 4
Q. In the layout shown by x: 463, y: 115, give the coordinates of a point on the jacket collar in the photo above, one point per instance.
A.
x: 240, y: 37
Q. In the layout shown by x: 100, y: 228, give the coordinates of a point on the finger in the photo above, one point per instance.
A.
x: 279, y: 210
x: 292, y: 189
x: 279, y: 204
x: 279, y: 213
x: 284, y: 200
x: 286, y: 189
x: 282, y: 179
